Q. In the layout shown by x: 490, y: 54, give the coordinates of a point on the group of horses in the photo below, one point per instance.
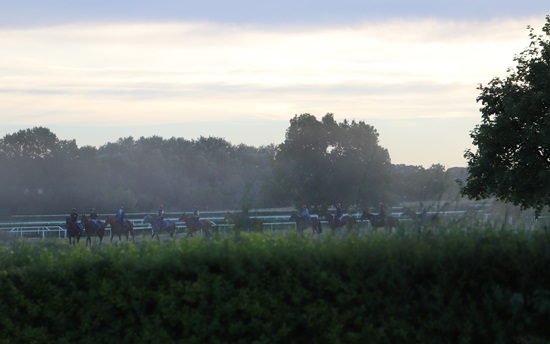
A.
x: 92, y: 228
x: 348, y: 221
x: 345, y: 221
x: 169, y: 226
x: 241, y: 221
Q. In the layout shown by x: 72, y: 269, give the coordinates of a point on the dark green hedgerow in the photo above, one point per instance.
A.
x: 454, y: 287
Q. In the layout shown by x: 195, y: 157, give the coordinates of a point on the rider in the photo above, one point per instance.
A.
x: 304, y: 215
x: 196, y: 217
x: 160, y: 216
x: 93, y: 217
x: 339, y: 213
x: 382, y: 212
x: 74, y: 219
x: 244, y: 217
x: 93, y: 214
x: 120, y: 216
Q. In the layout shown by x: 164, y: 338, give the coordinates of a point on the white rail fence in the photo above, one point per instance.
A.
x: 51, y: 229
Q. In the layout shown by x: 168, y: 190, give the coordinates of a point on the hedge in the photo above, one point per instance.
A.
x: 452, y: 286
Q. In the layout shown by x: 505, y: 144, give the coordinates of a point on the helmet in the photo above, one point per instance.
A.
x: 74, y: 209
x: 93, y: 209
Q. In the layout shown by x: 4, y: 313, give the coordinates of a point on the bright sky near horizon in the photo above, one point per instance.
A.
x: 102, y: 70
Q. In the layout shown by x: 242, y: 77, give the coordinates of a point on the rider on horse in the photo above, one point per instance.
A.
x: 120, y: 216
x: 243, y: 218
x: 93, y: 217
x: 304, y: 215
x: 339, y: 213
x: 196, y: 217
x: 382, y: 212
x: 160, y: 217
x: 74, y: 219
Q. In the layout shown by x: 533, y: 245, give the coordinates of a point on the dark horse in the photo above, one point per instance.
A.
x: 92, y: 227
x: 160, y: 226
x: 422, y: 218
x: 73, y: 232
x: 377, y: 221
x: 118, y: 229
x: 242, y: 221
x: 193, y: 227
x: 345, y: 220
x: 302, y: 224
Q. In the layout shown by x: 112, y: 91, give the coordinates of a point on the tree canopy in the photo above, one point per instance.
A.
x: 325, y: 162
x: 512, y: 161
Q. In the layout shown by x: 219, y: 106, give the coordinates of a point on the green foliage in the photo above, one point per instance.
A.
x: 513, y: 140
x: 417, y: 183
x: 458, y: 285
x: 325, y: 162
x: 35, y: 143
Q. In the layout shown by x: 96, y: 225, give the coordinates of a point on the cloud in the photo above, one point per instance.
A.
x: 137, y: 70
x: 414, y: 80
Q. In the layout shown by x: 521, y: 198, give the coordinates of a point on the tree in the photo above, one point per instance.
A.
x: 180, y: 173
x: 415, y: 183
x: 35, y: 143
x: 31, y: 175
x: 325, y: 162
x: 300, y: 161
x: 512, y: 161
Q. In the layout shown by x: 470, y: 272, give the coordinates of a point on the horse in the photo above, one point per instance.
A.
x: 302, y: 224
x: 242, y: 221
x: 73, y: 232
x: 93, y: 228
x: 423, y: 217
x: 376, y: 221
x: 345, y: 220
x: 118, y: 229
x: 193, y: 227
x: 160, y: 226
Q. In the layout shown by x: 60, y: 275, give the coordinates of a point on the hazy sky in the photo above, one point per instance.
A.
x: 97, y: 71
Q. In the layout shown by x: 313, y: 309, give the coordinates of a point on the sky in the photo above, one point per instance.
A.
x: 98, y: 71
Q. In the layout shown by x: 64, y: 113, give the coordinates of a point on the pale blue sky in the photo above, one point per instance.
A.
x: 98, y: 71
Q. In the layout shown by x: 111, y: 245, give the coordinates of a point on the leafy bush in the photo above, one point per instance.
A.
x: 457, y: 285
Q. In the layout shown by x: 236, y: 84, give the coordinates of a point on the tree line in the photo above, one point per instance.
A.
x: 512, y: 158
x: 321, y: 162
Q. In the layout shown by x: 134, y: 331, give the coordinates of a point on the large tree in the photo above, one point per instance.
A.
x: 33, y: 169
x: 512, y: 161
x: 325, y: 162
x: 35, y: 143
